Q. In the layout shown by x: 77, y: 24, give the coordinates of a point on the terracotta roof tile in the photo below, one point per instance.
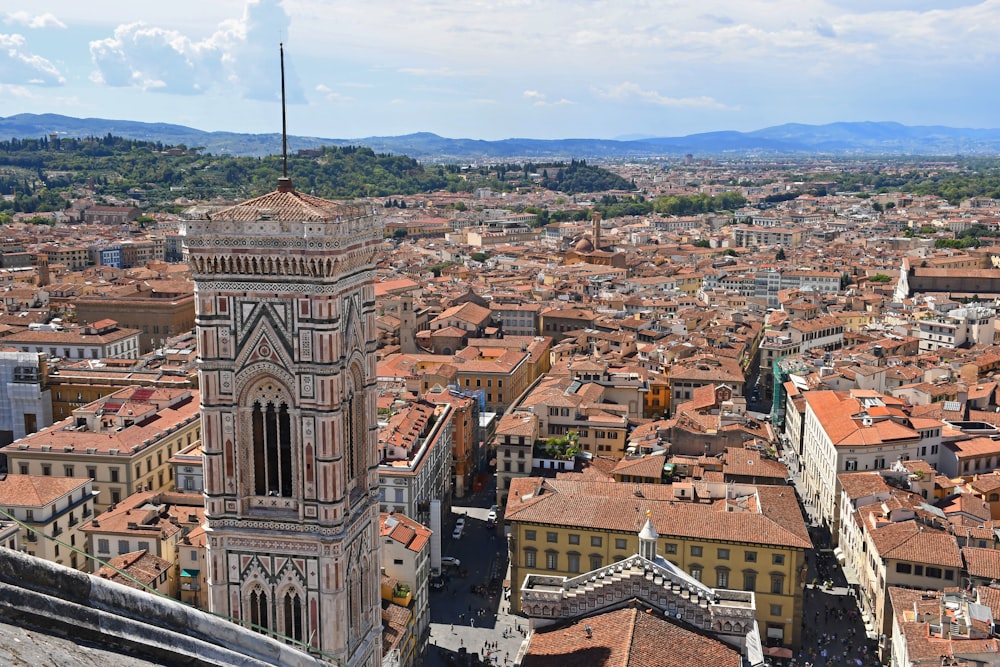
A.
x: 770, y: 517
x: 983, y: 563
x: 289, y: 206
x: 36, y: 490
x: 627, y: 638
x: 907, y: 541
x: 140, y: 565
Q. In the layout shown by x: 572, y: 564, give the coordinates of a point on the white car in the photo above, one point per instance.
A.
x: 459, y: 527
x: 450, y: 561
x: 492, y: 516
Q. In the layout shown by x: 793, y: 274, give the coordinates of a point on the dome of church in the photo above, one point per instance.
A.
x: 584, y: 245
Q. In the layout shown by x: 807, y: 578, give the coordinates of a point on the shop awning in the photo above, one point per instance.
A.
x: 190, y: 573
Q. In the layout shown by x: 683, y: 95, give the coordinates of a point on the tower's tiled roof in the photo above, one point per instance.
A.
x: 285, y: 204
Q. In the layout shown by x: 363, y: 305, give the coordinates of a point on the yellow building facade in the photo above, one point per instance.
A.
x: 566, y: 528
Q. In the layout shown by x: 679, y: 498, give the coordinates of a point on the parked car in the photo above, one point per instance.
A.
x: 450, y: 561
x: 492, y: 516
x: 459, y: 527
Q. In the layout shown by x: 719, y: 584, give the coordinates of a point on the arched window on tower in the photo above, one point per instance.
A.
x: 350, y: 448
x: 272, y: 450
x: 258, y: 611
x: 293, y: 615
x: 354, y: 611
x: 355, y: 436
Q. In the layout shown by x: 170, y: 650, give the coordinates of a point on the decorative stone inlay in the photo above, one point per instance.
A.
x: 288, y: 288
x: 256, y: 525
x: 271, y: 545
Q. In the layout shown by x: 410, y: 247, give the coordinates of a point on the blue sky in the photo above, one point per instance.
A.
x: 492, y: 69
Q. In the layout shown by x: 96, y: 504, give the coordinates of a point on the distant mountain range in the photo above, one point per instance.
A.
x: 835, y: 139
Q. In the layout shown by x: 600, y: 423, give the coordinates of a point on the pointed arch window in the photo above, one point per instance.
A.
x: 356, y: 435
x: 355, y: 609
x: 293, y: 615
x: 258, y: 611
x: 352, y: 419
x: 272, y: 449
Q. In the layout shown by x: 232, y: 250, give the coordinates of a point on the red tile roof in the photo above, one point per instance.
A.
x: 290, y: 206
x: 627, y: 638
x: 36, y: 490
x: 770, y: 517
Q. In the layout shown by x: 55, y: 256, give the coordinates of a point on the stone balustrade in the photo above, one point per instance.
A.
x: 659, y: 584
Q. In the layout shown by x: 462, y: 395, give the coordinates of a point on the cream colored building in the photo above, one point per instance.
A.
x: 54, y: 507
x: 406, y: 560
x: 566, y: 405
x: 150, y: 521
x: 101, y: 340
x: 123, y: 442
x: 514, y: 443
x: 854, y: 431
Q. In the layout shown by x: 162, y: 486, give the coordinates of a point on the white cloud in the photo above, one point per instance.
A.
x: 540, y: 99
x: 46, y: 20
x: 254, y: 60
x: 154, y: 58
x: 8, y: 90
x: 330, y: 95
x: 238, y: 55
x: 18, y: 66
x: 633, y: 91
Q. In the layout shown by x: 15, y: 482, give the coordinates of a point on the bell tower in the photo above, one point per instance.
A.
x: 285, y: 315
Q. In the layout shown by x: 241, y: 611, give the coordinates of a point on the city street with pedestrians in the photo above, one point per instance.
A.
x: 833, y: 634
x: 470, y: 614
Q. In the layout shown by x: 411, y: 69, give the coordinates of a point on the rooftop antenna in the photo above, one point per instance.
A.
x: 284, y: 183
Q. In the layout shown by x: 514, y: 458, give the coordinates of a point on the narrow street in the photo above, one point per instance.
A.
x: 833, y: 633
x: 469, y: 616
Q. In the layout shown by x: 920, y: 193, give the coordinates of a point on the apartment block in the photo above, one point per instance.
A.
x: 102, y: 339
x: 854, y: 431
x: 149, y: 521
x: 158, y: 309
x: 54, y: 508
x: 406, y: 568
x: 514, y: 443
x: 123, y: 442
x: 415, y: 446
